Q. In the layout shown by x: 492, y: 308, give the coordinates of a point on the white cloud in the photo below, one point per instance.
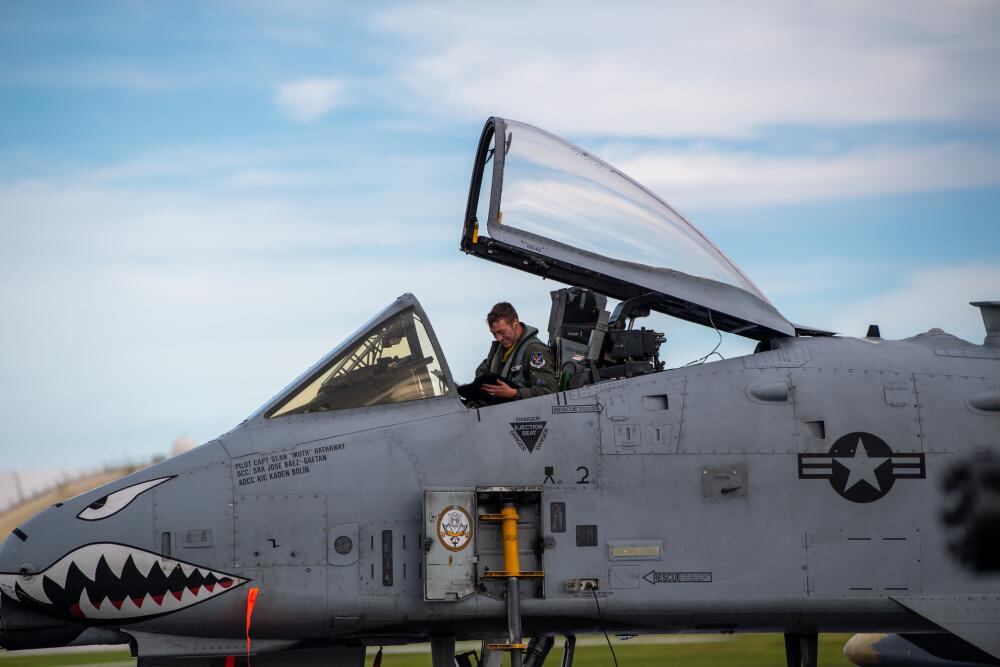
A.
x: 94, y: 225
x: 677, y: 69
x: 306, y: 100
x: 812, y: 281
x: 930, y: 297
x: 904, y: 299
x: 178, y: 311
x: 707, y: 178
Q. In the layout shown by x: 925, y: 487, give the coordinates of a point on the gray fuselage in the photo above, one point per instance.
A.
x: 726, y: 496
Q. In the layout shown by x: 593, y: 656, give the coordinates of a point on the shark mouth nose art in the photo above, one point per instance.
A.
x: 109, y: 582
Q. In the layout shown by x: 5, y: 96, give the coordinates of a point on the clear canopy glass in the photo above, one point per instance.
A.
x: 557, y: 191
x: 390, y: 363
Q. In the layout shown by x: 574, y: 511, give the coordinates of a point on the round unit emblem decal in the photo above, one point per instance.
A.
x: 454, y: 528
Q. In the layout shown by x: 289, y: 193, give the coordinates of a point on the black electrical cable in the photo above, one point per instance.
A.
x: 601, y: 617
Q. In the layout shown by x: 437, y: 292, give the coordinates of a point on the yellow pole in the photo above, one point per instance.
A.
x: 508, y: 528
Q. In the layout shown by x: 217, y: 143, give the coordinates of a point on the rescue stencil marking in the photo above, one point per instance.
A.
x: 454, y: 528
x: 573, y: 409
x: 528, y: 433
x: 861, y: 467
x: 655, y: 577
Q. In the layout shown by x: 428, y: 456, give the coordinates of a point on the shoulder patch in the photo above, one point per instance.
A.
x: 537, y: 360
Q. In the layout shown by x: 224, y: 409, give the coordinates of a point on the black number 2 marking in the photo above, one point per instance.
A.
x: 584, y: 474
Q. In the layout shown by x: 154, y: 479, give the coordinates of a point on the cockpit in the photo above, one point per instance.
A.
x: 393, y: 359
x: 542, y: 205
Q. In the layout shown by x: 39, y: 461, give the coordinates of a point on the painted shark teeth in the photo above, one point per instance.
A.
x: 87, y: 562
x: 144, y: 561
x: 116, y: 582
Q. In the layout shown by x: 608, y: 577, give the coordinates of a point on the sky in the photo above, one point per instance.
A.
x: 198, y: 200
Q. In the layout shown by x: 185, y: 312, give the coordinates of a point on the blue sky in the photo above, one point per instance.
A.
x: 199, y: 199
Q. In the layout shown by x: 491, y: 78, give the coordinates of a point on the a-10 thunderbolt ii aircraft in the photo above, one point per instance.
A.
x: 794, y: 490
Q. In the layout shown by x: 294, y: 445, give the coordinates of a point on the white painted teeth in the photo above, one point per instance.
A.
x: 35, y: 588
x: 59, y: 571
x: 143, y: 561
x: 88, y: 566
x: 87, y: 609
x: 116, y: 560
x: 87, y: 560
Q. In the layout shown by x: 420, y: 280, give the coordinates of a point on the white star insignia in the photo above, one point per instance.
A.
x: 861, y: 467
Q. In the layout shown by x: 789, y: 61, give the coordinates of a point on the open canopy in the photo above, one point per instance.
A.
x: 545, y: 206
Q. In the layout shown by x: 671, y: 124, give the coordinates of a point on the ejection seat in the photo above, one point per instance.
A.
x: 577, y: 324
x: 591, y: 345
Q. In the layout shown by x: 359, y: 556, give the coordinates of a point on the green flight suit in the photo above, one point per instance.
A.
x: 530, y: 368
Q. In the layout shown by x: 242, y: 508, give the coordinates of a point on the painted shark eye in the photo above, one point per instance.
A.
x: 115, y: 502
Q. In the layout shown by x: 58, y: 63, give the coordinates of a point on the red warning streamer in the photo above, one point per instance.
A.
x: 251, y: 601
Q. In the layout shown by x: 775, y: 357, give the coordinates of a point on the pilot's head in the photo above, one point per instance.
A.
x: 503, y: 323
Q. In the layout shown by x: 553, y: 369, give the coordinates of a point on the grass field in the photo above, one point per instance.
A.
x: 40, y: 659
x: 645, y: 651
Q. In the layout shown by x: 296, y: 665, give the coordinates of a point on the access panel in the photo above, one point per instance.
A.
x: 450, y: 549
x: 862, y: 563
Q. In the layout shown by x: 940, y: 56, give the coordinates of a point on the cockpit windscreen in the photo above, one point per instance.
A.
x: 391, y: 363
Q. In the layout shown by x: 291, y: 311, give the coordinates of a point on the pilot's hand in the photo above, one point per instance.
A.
x: 500, y: 390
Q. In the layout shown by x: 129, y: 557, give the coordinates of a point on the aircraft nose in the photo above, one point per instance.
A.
x: 7, y: 584
x: 15, y: 561
x: 12, y: 554
x: 30, y: 548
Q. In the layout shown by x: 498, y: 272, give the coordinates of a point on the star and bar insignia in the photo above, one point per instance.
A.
x: 861, y: 467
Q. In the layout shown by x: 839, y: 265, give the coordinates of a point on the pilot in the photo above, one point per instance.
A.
x: 524, y: 363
